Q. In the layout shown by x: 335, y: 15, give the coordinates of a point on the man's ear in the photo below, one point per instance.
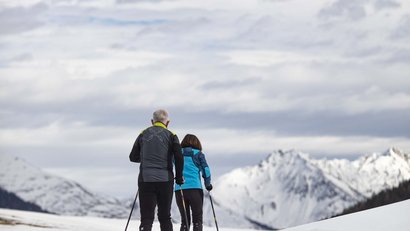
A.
x: 152, y: 122
x: 167, y: 123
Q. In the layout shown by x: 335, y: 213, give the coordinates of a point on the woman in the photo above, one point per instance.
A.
x: 194, y: 165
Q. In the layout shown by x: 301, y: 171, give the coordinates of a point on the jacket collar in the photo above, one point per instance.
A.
x: 159, y: 124
x: 190, y: 149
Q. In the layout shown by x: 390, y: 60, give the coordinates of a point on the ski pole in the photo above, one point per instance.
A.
x: 185, y: 212
x: 213, y: 210
x: 132, y: 209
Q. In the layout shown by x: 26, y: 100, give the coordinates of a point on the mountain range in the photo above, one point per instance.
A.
x: 53, y: 193
x: 287, y: 188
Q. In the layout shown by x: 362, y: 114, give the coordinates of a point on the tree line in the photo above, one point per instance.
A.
x: 385, y: 197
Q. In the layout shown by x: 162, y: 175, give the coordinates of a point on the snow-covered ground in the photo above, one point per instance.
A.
x: 33, y: 221
x: 391, y: 217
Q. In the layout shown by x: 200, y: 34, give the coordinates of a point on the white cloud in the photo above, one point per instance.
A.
x: 227, y: 141
x: 386, y: 4
x: 402, y: 31
x: 107, y: 62
x: 353, y: 10
x: 376, y: 99
x: 20, y: 19
x: 263, y: 58
x: 88, y: 74
x: 60, y: 134
x: 23, y: 3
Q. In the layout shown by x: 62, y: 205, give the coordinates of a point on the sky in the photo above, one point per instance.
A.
x: 79, y: 80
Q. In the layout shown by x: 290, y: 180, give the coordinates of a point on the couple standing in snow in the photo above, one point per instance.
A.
x: 157, y: 149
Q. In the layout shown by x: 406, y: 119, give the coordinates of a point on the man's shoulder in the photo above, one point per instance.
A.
x: 173, y: 133
x: 166, y: 130
x: 158, y: 128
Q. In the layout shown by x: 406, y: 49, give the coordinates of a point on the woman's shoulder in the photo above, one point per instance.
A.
x: 197, y: 151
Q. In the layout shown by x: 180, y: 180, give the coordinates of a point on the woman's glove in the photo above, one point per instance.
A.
x: 179, y: 180
x: 209, y: 187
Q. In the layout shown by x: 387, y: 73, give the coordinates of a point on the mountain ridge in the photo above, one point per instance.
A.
x: 290, y: 188
x: 11, y: 201
x: 286, y: 188
x: 54, y: 193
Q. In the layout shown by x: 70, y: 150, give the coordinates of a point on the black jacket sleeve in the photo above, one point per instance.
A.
x: 178, y: 157
x: 135, y: 155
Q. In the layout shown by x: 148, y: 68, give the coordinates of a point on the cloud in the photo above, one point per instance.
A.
x: 356, y: 10
x: 124, y: 90
x: 403, y: 29
x: 243, y: 75
x: 352, y: 10
x: 399, y: 57
x: 20, y: 19
x: 386, y: 4
x: 271, y: 32
x: 137, y: 1
x: 294, y: 122
x: 260, y: 143
x: 221, y: 85
x: 108, y: 61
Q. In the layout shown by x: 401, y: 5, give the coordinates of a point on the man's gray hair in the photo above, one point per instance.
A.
x: 160, y: 116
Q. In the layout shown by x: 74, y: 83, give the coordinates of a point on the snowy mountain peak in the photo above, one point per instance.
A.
x: 392, y: 161
x: 286, y: 157
x: 393, y: 151
x: 7, y: 160
x: 398, y: 153
x: 52, y: 193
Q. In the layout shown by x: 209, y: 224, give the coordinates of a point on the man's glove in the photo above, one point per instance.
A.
x: 179, y: 180
x: 209, y: 187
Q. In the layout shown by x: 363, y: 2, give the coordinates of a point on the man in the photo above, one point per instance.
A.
x: 157, y: 149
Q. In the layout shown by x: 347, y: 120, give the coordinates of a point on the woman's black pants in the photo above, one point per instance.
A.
x: 194, y: 199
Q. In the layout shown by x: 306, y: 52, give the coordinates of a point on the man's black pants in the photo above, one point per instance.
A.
x: 194, y: 200
x: 151, y: 195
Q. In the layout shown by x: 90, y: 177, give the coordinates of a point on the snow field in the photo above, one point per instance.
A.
x: 32, y: 221
x: 391, y: 217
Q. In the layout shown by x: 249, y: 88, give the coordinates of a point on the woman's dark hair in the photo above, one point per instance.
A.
x: 191, y: 141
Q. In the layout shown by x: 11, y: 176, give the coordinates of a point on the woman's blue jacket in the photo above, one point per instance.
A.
x: 194, y: 165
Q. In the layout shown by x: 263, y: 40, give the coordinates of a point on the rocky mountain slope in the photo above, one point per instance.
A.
x: 54, y: 194
x: 11, y: 201
x: 290, y: 188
